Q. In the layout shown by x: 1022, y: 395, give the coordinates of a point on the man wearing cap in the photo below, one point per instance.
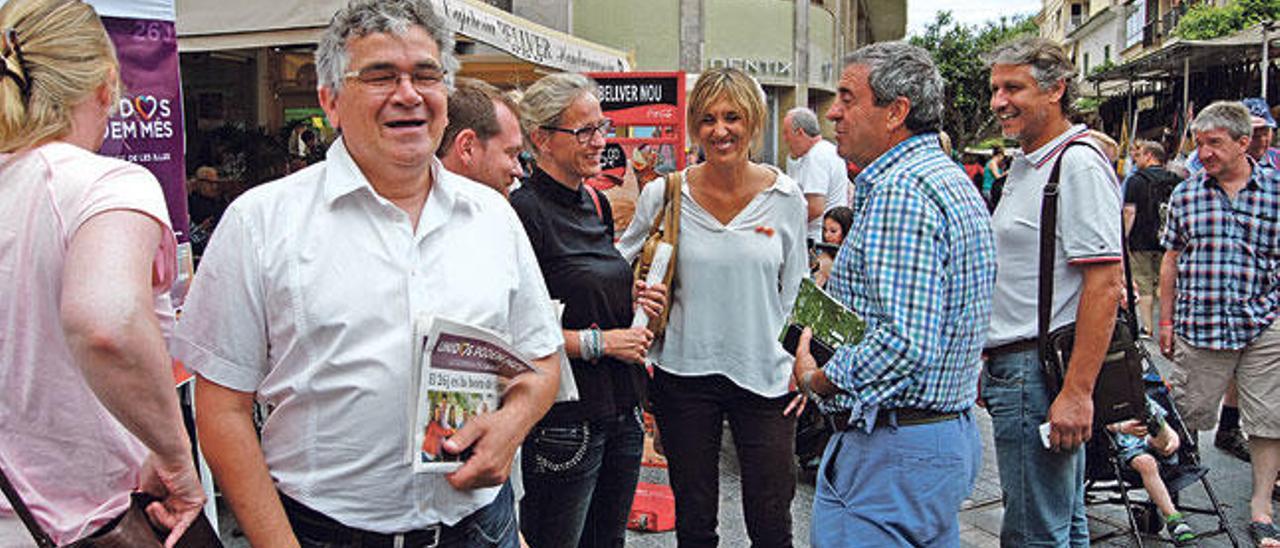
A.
x: 1264, y: 126
x: 1222, y: 240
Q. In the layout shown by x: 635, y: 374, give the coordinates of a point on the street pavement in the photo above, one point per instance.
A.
x: 981, y: 513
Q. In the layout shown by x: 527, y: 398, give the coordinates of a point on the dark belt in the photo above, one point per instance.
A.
x: 1013, y: 347
x: 901, y: 417
x: 311, y: 523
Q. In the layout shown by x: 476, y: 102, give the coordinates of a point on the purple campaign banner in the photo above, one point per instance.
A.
x: 146, y: 128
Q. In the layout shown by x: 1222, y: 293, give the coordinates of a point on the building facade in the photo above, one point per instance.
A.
x: 1140, y: 76
x: 247, y: 66
x: 792, y: 47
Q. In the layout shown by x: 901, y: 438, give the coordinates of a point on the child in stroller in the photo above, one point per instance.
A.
x: 1142, y: 445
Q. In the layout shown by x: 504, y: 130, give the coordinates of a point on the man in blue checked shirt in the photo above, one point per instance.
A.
x: 1221, y: 295
x: 918, y: 265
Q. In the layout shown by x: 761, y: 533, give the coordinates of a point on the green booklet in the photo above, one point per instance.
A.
x: 833, y: 324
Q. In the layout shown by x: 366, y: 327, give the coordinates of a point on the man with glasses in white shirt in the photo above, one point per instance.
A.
x: 306, y: 299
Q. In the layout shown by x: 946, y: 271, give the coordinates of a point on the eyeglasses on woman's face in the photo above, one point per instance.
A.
x: 585, y: 133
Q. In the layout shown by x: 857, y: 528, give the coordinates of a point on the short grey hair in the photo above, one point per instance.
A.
x: 806, y: 120
x: 364, y: 17
x: 544, y: 103
x: 1049, y: 65
x: 1156, y: 150
x: 899, y: 69
x: 1229, y: 115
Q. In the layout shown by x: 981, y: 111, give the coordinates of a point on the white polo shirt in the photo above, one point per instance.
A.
x: 821, y: 171
x: 307, y: 295
x: 1088, y: 231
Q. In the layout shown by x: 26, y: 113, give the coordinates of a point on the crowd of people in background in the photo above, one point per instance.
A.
x: 448, y: 196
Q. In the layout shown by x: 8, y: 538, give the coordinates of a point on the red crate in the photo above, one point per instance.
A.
x: 653, y: 509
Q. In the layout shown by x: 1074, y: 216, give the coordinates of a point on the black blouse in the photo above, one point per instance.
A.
x: 574, y: 245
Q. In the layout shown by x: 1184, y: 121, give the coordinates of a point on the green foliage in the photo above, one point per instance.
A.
x: 998, y: 141
x: 1204, y: 21
x: 957, y: 50
x: 1105, y: 66
x: 1087, y: 104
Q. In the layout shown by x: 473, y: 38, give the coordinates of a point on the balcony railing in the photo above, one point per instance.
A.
x: 1075, y: 21
x: 1169, y: 20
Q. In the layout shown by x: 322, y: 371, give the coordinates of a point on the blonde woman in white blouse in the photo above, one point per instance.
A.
x: 740, y: 260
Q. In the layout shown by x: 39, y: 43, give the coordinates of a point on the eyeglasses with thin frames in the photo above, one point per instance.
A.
x: 584, y: 133
x: 424, y: 78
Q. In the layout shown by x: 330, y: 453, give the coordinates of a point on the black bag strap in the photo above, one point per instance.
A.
x: 1048, y: 252
x: 24, y: 513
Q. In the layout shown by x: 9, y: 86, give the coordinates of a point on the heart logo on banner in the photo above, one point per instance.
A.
x: 146, y: 112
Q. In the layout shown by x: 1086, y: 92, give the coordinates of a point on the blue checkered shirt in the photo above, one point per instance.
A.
x: 1228, y: 285
x: 919, y: 265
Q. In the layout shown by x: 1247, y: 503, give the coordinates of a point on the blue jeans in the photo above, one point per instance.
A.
x: 493, y: 526
x: 579, y: 481
x: 1043, y: 490
x: 897, y: 486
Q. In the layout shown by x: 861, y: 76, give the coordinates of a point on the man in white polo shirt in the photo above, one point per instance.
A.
x: 815, y: 164
x: 1032, y: 91
x: 306, y: 299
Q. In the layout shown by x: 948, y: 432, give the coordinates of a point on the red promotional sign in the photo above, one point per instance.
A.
x: 647, y: 111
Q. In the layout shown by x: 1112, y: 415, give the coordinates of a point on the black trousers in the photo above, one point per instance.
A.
x: 690, y: 412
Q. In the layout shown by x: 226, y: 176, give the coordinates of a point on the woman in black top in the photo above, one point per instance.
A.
x: 581, y: 462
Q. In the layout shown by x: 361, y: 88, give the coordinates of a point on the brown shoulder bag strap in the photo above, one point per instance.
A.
x: 24, y: 513
x: 672, y: 200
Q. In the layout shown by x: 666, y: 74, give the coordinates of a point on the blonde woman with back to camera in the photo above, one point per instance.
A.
x: 87, y: 257
x: 739, y: 262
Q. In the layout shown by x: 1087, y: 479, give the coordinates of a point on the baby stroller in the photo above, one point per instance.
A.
x: 1109, y: 481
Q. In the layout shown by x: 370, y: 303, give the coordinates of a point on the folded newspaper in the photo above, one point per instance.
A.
x: 833, y: 323
x: 463, y: 372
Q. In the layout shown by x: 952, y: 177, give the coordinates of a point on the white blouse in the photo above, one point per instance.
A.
x: 734, y: 284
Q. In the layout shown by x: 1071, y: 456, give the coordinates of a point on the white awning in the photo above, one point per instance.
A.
x: 205, y: 25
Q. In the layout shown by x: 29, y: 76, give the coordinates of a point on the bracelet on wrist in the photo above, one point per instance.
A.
x: 589, y: 344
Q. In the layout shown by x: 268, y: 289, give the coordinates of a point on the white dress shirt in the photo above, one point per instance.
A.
x: 307, y: 295
x: 734, y: 285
